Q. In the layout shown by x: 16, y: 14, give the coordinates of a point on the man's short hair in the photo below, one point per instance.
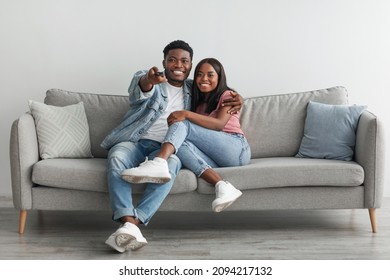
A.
x: 178, y: 44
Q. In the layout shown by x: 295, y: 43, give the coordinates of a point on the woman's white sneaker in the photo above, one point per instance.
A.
x: 150, y: 171
x: 226, y: 194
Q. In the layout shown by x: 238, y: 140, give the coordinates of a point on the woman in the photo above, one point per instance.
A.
x: 203, y: 138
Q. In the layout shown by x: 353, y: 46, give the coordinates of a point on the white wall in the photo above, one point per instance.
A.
x: 267, y: 46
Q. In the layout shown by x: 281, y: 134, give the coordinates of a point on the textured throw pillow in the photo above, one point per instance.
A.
x: 63, y: 132
x: 330, y: 131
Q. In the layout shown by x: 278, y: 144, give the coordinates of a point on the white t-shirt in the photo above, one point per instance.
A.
x: 159, y: 128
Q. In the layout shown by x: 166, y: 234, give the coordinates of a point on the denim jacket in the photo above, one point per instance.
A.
x: 144, y: 110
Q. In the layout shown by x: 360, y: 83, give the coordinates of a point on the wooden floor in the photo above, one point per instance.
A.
x: 267, y: 235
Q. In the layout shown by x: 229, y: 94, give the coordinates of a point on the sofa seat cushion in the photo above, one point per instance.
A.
x: 89, y: 174
x: 289, y: 171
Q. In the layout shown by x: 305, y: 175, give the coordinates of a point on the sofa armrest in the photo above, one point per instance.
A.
x: 370, y: 154
x: 23, y: 155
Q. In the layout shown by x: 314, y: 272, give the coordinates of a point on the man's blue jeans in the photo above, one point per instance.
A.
x: 127, y: 155
x: 199, y: 148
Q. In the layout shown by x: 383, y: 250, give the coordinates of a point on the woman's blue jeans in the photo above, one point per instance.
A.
x: 199, y: 148
x: 127, y: 155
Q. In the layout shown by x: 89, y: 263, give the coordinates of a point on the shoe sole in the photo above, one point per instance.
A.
x: 129, y: 242
x: 143, y: 179
x: 111, y: 242
x: 223, y: 205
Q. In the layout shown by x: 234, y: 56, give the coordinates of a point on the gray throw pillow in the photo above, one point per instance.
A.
x: 330, y: 131
x: 62, y: 132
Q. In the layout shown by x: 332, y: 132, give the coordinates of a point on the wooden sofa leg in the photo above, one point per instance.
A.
x: 371, y: 212
x: 22, y: 220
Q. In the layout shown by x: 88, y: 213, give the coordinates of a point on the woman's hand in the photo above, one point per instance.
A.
x: 177, y: 116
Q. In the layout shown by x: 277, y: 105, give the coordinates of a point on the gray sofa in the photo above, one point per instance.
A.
x: 274, y: 179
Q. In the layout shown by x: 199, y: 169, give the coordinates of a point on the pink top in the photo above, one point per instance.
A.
x: 233, y: 125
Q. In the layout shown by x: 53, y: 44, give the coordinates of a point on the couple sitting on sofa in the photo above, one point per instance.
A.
x: 160, y: 126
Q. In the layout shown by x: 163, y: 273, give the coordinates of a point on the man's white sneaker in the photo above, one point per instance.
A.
x: 111, y: 242
x: 150, y: 171
x: 226, y: 194
x: 127, y: 237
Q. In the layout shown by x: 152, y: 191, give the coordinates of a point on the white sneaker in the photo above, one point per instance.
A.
x: 226, y: 194
x: 150, y: 171
x: 127, y: 237
x: 111, y: 242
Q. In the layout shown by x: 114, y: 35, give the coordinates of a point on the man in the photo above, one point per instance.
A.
x: 153, y: 96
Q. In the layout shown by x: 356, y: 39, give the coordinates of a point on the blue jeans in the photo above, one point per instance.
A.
x: 199, y: 148
x: 126, y: 155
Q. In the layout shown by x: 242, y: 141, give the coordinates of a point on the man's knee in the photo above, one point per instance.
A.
x: 123, y: 156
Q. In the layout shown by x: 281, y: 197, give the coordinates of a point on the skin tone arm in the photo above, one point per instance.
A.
x: 151, y: 78
x: 234, y: 103
x: 217, y: 123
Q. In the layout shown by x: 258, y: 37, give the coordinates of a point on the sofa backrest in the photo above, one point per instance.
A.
x: 273, y: 124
